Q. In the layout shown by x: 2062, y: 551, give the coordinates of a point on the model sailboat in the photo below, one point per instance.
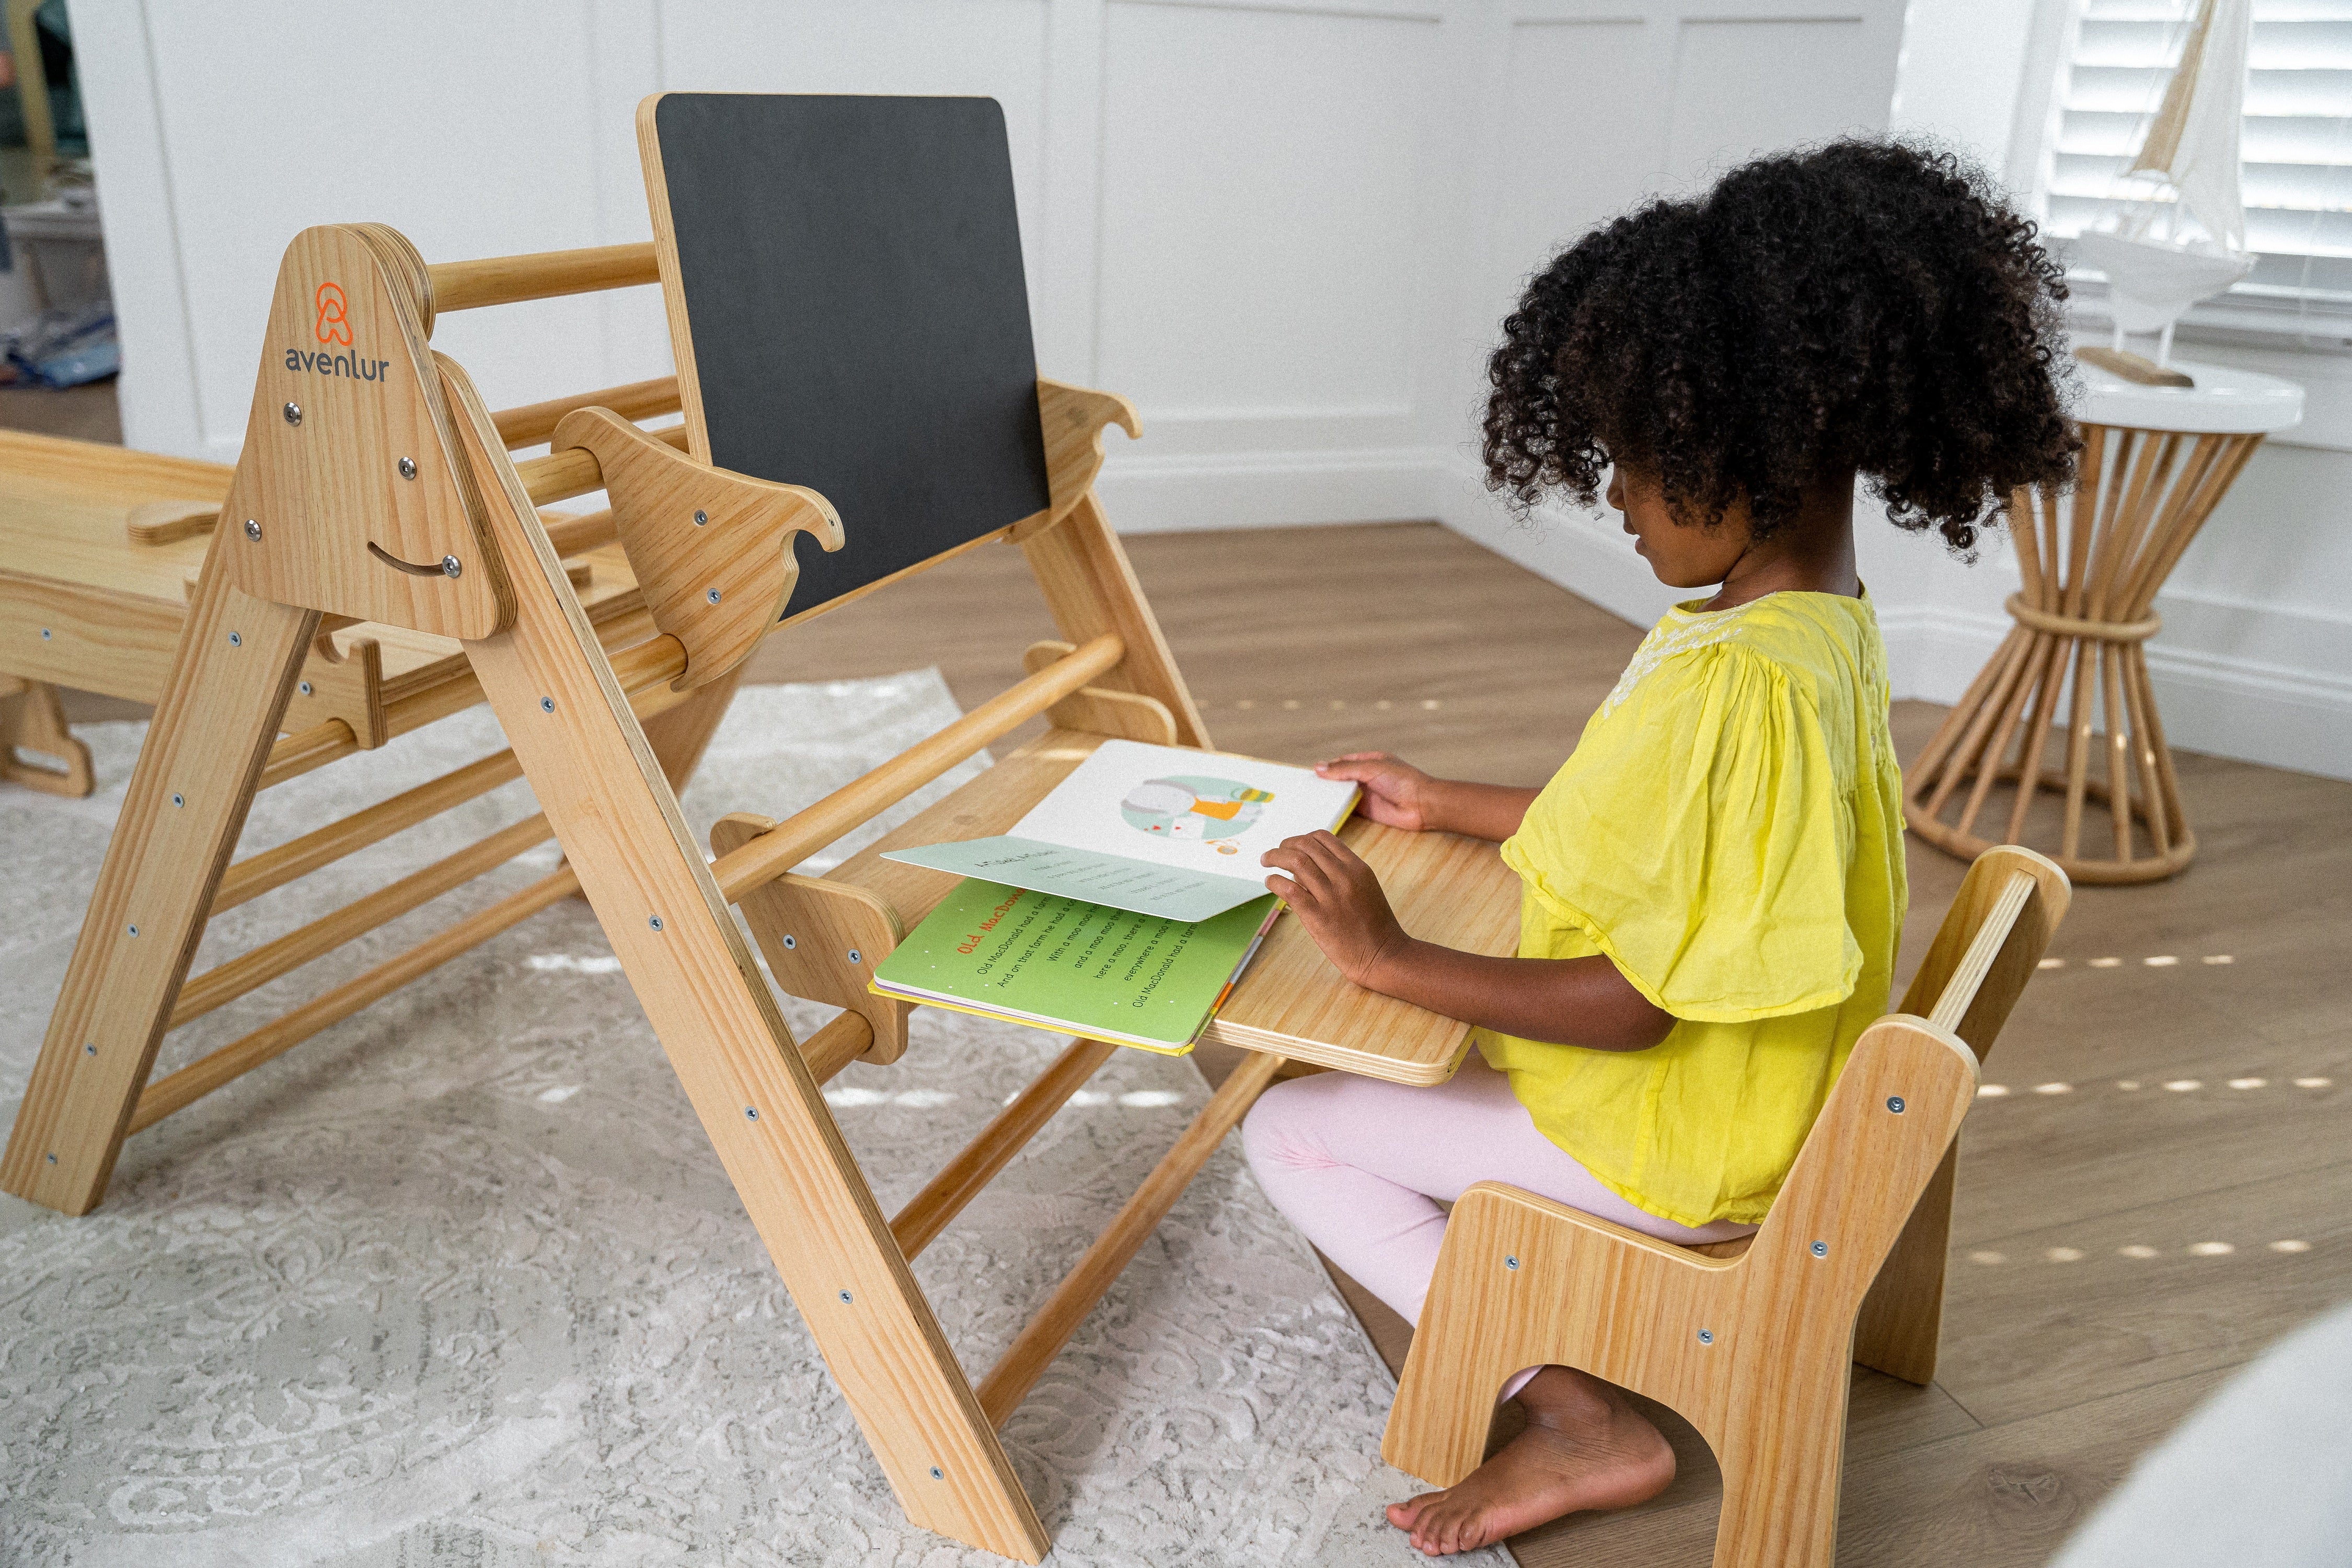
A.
x: 2185, y: 239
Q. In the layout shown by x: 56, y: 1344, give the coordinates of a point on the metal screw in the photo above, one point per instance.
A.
x: 252, y: 528
x: 1895, y: 1104
x: 655, y: 922
x: 236, y: 639
x: 1821, y: 1249
x: 293, y: 412
x: 1707, y: 1336
x: 1510, y: 1263
x: 45, y: 634
x: 179, y: 799
x: 712, y: 595
x: 844, y: 1295
x: 408, y: 467
x: 701, y: 518
x: 938, y: 1474
x: 132, y: 930
x: 90, y: 1050
x: 53, y: 1159
x: 451, y: 566
x: 853, y: 956
x: 306, y: 689
x: 751, y: 1112
x: 547, y: 704
x: 791, y: 941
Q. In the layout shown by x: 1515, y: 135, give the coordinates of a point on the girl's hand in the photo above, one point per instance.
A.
x: 1337, y: 898
x: 1396, y: 793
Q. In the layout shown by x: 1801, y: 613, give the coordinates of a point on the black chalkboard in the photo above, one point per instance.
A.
x: 851, y: 270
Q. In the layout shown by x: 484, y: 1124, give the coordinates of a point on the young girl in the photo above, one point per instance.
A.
x: 1714, y: 881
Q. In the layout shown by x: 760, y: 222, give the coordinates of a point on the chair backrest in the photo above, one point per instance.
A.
x: 848, y: 308
x: 1991, y: 940
x: 1899, y: 1101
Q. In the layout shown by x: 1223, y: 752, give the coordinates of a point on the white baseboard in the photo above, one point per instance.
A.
x: 1144, y: 493
x: 2256, y: 710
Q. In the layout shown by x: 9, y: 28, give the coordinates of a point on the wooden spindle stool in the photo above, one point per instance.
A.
x: 2156, y: 462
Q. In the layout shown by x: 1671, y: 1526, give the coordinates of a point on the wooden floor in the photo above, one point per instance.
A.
x: 2164, y: 1188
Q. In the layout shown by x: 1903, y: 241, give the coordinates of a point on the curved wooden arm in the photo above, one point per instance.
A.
x: 712, y: 550
x: 1075, y: 418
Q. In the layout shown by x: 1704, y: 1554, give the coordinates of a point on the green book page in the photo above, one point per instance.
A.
x: 1094, y: 970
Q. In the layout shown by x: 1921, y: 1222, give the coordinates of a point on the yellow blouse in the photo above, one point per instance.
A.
x: 1728, y: 832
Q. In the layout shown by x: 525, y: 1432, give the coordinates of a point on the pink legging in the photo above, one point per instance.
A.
x: 1359, y: 1165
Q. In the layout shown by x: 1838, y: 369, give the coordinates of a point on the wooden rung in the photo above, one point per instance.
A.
x: 535, y: 421
x: 794, y: 839
x: 574, y: 471
x: 207, y: 1073
x: 224, y: 983
x: 837, y: 1045
x: 1010, y: 1380
x: 305, y: 750
x: 644, y: 670
x: 259, y: 874
x: 577, y: 535
x: 1006, y: 1135
x: 1960, y: 991
x: 541, y: 275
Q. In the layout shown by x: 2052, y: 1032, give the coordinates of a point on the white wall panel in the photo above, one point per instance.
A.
x: 303, y: 123
x: 1260, y: 198
x: 1727, y: 106
x: 986, y: 49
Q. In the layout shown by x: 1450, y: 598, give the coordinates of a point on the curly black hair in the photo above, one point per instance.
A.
x: 1866, y: 306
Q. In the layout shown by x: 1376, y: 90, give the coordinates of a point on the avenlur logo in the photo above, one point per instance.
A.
x: 334, y: 325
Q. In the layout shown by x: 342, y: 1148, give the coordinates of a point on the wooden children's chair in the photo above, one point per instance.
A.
x: 1749, y: 1340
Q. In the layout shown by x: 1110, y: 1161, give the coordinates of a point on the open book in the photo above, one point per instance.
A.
x: 1156, y: 830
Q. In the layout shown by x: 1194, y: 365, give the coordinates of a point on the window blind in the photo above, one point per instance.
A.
x: 2296, y: 151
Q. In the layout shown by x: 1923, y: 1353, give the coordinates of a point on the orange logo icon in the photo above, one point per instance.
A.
x: 334, y: 326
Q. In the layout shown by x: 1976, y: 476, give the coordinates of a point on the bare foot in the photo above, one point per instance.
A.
x: 1585, y: 1448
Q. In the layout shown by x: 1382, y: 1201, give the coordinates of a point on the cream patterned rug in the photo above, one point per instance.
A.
x: 460, y: 1280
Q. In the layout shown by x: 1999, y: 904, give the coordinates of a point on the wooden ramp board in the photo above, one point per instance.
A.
x: 849, y: 312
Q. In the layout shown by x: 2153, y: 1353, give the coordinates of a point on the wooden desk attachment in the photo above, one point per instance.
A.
x: 846, y: 308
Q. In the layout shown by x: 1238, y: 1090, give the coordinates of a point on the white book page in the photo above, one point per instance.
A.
x: 1205, y: 811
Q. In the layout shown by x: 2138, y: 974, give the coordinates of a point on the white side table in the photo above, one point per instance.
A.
x: 2156, y: 461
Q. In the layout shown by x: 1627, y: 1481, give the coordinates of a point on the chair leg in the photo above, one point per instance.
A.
x: 1782, y: 1449
x: 1902, y: 1319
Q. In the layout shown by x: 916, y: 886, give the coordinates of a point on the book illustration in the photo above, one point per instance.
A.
x: 1189, y: 808
x: 1158, y: 830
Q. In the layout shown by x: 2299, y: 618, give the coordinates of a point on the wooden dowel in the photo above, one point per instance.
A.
x: 577, y: 535
x: 961, y: 1181
x: 838, y: 1043
x: 2024, y: 533
x: 259, y: 874
x: 224, y: 983
x: 2111, y: 707
x: 573, y: 471
x: 2082, y: 517
x: 541, y: 275
x: 2033, y: 743
x: 207, y: 1073
x: 534, y: 421
x: 798, y: 837
x: 306, y: 750
x: 2010, y: 656
x: 2151, y: 791
x: 1988, y: 764
x: 2078, y: 749
x: 1011, y: 1379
